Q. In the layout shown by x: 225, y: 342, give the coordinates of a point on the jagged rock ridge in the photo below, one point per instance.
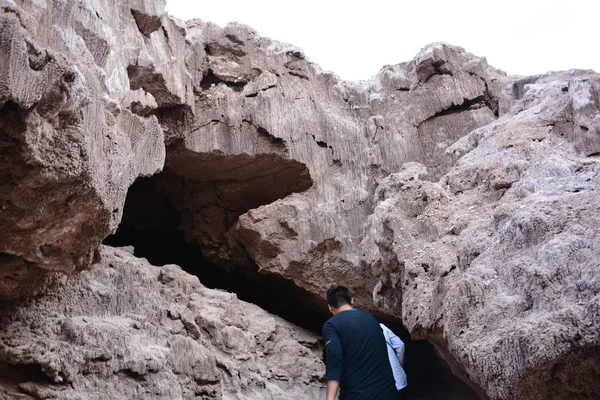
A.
x: 450, y: 196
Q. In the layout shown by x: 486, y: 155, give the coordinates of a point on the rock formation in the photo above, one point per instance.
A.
x: 499, y: 258
x: 451, y: 197
x: 126, y: 329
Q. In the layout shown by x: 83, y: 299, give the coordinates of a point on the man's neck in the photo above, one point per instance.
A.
x: 345, y: 307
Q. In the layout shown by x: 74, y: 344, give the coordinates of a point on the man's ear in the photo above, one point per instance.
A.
x: 330, y: 308
x: 352, y: 302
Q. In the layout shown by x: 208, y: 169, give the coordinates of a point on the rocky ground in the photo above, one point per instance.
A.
x: 126, y: 329
x: 455, y: 200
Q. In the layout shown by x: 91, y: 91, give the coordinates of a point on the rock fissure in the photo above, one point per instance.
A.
x: 277, y: 142
x: 153, y: 82
x: 322, y: 144
x: 210, y: 79
x: 466, y: 105
x: 427, y: 70
x: 261, y: 90
x: 146, y: 23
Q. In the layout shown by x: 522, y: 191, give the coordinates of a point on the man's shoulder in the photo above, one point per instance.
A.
x: 329, y: 324
x: 355, y: 316
x: 368, y: 322
x: 334, y: 320
x: 367, y: 316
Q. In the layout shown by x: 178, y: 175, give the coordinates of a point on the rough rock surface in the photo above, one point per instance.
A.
x: 126, y: 329
x: 500, y: 258
x: 70, y: 146
x: 451, y: 197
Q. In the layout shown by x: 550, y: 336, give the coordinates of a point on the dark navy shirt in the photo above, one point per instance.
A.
x: 356, y: 357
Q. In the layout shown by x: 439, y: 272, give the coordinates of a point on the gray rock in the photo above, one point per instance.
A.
x: 500, y: 257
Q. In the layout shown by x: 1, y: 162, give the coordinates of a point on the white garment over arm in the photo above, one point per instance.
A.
x: 395, y: 348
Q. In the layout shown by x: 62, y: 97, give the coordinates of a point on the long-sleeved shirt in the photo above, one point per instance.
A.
x: 395, y: 349
x: 356, y: 357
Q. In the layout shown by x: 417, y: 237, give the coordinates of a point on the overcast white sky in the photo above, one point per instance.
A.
x: 355, y: 39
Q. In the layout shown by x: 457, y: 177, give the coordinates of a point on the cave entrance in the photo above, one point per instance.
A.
x: 157, y: 221
x: 152, y: 224
x: 272, y: 294
x: 429, y: 376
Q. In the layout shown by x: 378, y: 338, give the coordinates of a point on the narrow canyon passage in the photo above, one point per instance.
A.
x: 151, y: 225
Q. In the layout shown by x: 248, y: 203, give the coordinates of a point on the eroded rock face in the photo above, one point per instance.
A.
x: 449, y: 196
x: 69, y: 147
x: 500, y: 257
x: 126, y: 329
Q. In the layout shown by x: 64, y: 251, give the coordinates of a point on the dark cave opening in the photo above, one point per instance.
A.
x: 429, y: 377
x: 12, y: 376
x: 152, y: 225
x: 272, y: 294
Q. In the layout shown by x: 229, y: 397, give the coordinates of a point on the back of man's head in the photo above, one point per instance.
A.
x: 339, y: 295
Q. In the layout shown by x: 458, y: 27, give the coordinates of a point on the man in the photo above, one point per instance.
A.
x: 356, y: 354
x: 395, y: 349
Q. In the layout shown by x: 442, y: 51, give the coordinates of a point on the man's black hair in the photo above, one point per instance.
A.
x: 339, y: 295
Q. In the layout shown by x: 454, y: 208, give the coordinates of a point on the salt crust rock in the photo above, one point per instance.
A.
x: 450, y: 196
x: 126, y: 329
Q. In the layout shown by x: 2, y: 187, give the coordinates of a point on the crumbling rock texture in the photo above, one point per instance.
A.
x: 151, y: 332
x: 501, y: 255
x: 69, y: 148
x: 451, y: 197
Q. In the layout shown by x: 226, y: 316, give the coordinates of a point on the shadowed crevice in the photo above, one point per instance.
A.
x: 466, y: 105
x: 272, y: 293
x: 210, y: 79
x: 146, y: 23
x: 153, y: 82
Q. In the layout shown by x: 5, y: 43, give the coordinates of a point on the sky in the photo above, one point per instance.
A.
x: 354, y: 39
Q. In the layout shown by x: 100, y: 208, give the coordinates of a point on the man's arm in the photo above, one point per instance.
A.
x: 332, y: 389
x: 333, y: 360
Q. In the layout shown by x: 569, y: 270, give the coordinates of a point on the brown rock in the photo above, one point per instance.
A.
x: 126, y: 329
